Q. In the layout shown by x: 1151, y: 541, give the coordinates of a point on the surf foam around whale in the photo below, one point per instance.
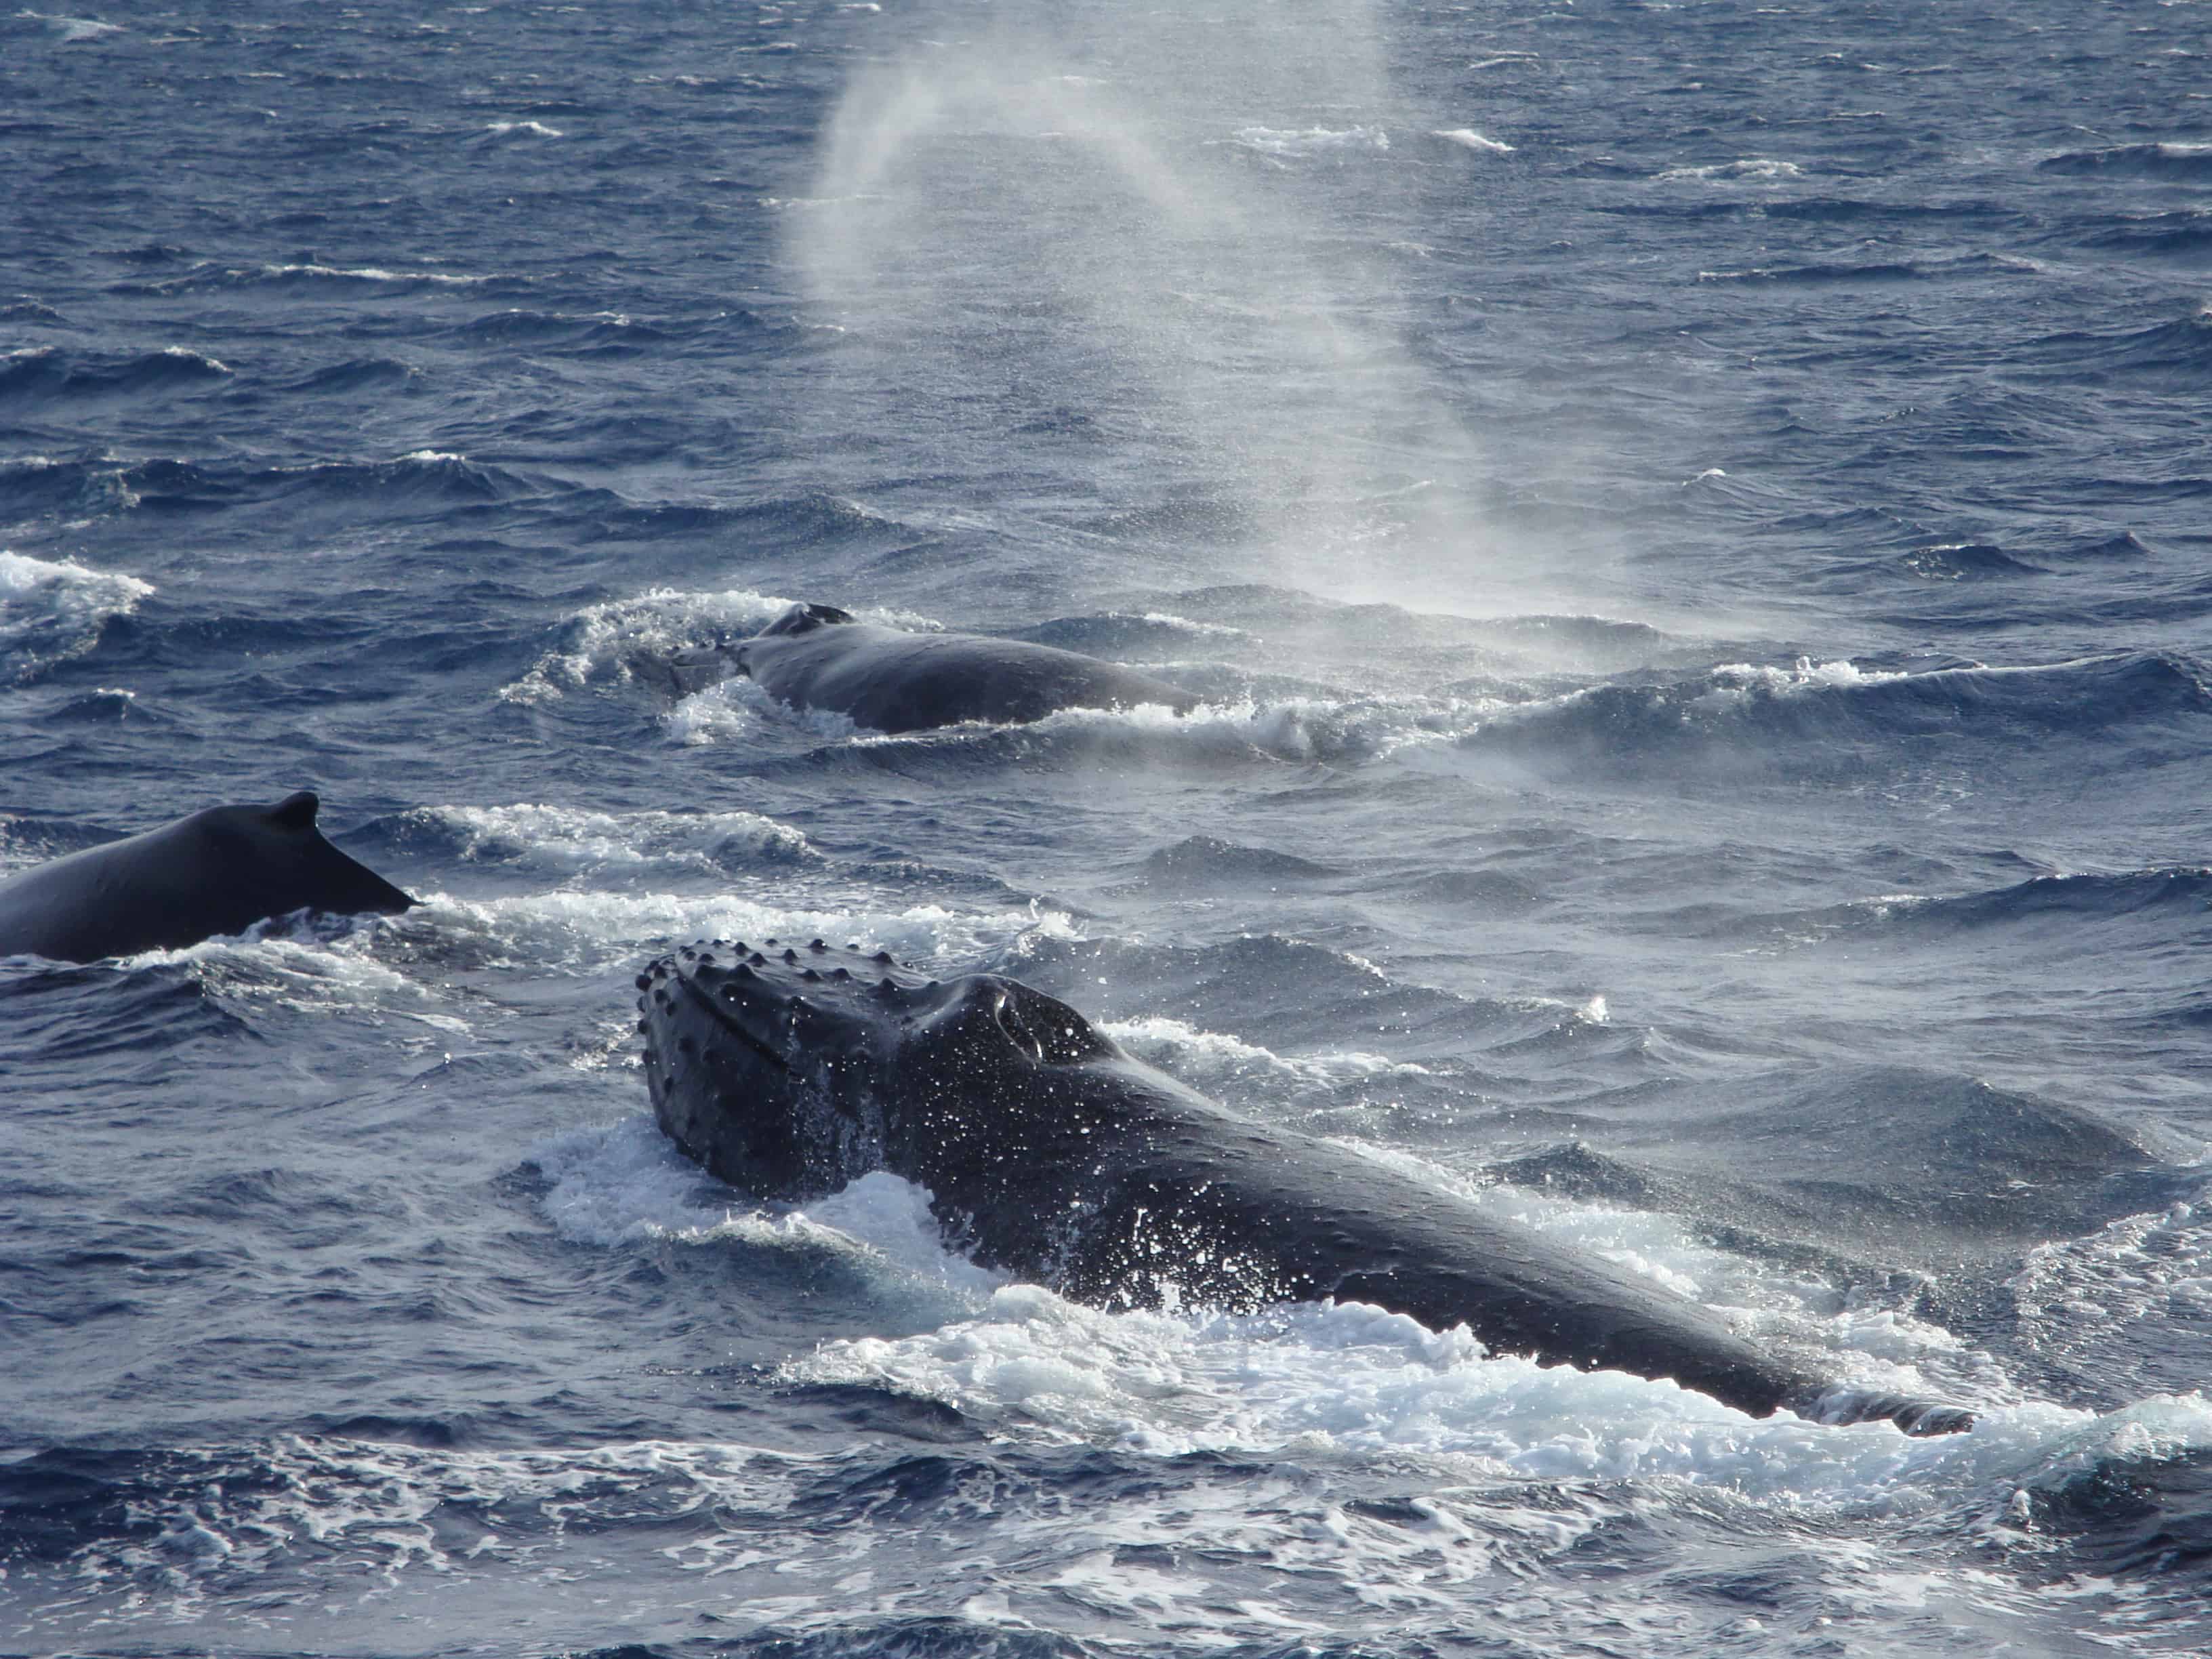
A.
x: 573, y: 841
x: 609, y: 641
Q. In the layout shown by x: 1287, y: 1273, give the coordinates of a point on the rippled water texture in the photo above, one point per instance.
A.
x: 1688, y: 526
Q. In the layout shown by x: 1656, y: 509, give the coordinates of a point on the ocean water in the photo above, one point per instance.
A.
x: 1690, y: 524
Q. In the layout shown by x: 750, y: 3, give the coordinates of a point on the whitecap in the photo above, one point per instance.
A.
x: 1804, y: 675
x: 1757, y: 169
x: 1287, y: 142
x: 74, y: 30
x: 591, y: 931
x: 604, y: 639
x: 1468, y: 138
x: 1349, y: 1380
x: 53, y: 609
x: 576, y: 840
x: 1199, y: 1056
x: 199, y: 359
x: 374, y: 273
x: 736, y: 705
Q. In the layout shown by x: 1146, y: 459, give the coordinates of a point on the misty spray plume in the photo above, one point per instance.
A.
x: 1128, y: 250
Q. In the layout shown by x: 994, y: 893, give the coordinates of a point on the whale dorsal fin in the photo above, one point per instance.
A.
x: 806, y: 618
x: 295, y: 811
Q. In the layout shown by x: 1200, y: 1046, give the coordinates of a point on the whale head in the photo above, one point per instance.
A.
x: 790, y: 1069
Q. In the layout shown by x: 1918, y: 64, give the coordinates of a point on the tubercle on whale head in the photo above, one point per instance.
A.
x: 839, y: 997
x: 774, y: 1062
x: 756, y: 1071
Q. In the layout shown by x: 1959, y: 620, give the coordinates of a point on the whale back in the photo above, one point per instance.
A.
x: 216, y: 872
x: 891, y: 680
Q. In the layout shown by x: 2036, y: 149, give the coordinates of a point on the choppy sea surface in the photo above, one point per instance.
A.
x: 1690, y: 524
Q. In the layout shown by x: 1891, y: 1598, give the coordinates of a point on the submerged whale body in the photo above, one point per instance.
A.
x: 816, y: 656
x: 216, y: 872
x: 1051, y: 1154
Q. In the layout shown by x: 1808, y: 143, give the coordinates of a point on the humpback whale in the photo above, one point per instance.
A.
x: 219, y: 870
x: 816, y: 656
x: 1051, y: 1153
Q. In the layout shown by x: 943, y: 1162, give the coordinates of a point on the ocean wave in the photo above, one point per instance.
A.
x: 2125, y: 546
x: 2178, y: 234
x: 1261, y: 999
x: 1120, y: 635
x: 623, y: 639
x: 1823, y: 718
x: 2063, y: 907
x: 1468, y: 138
x: 1837, y: 210
x: 1208, y: 861
x: 2140, y: 1283
x: 1957, y: 561
x: 1285, y: 143
x: 356, y: 374
x: 1538, y: 641
x: 1891, y: 271
x: 2187, y: 162
x: 48, y: 373
x: 1500, y: 1472
x: 604, y: 333
x: 2178, y: 351
x: 1502, y: 1476
x: 575, y: 841
x: 584, y: 930
x: 1756, y: 169
x: 627, y: 1184
x: 73, y: 31
x: 1348, y: 1380
x: 423, y: 484
x: 2180, y: 891
x: 1212, y: 1060
x: 54, y: 610
x: 62, y: 1018
x: 309, y: 278
x: 28, y: 841
x: 1906, y: 1158
x: 1245, y: 731
x: 811, y: 522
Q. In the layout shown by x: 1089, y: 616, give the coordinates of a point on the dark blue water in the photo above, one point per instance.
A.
x: 1691, y: 527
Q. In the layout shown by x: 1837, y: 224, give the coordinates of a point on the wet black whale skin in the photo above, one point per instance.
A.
x: 816, y: 656
x: 1051, y: 1154
x: 217, y: 871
